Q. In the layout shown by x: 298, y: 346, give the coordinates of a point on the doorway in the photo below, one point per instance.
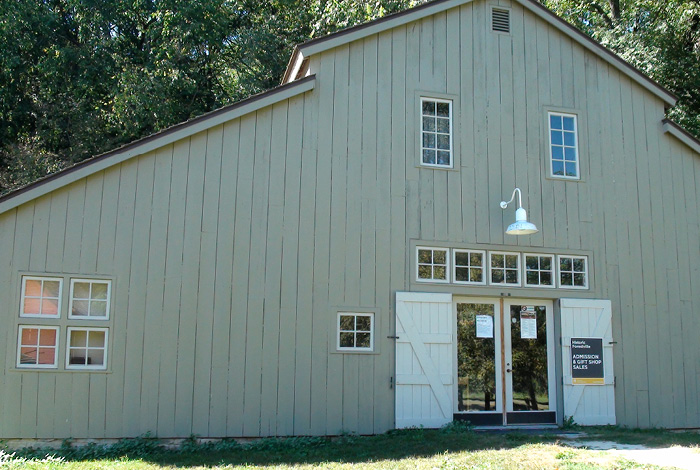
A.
x: 504, y: 361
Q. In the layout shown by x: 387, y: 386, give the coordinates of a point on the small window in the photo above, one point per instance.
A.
x: 355, y: 331
x: 573, y: 272
x: 37, y: 347
x: 539, y: 270
x: 436, y: 132
x: 432, y: 264
x: 563, y: 137
x: 504, y: 268
x: 41, y: 297
x: 469, y: 267
x: 87, y: 348
x: 89, y: 299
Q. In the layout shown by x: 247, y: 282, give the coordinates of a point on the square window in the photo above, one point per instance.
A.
x: 355, y: 331
x: 41, y: 297
x: 87, y: 348
x: 504, y: 268
x: 436, y: 132
x: 89, y: 299
x: 539, y: 270
x: 432, y: 264
x: 573, y: 272
x: 469, y: 267
x: 37, y: 347
x: 563, y: 146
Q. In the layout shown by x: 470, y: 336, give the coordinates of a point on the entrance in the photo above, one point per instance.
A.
x: 505, y: 361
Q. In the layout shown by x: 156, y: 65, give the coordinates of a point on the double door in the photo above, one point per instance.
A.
x: 504, y: 361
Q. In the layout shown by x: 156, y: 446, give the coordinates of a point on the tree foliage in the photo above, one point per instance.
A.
x: 80, y: 77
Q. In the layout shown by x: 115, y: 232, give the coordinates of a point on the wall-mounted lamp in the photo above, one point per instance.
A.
x: 521, y: 226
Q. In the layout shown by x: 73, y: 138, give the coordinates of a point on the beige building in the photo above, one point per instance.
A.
x: 331, y: 256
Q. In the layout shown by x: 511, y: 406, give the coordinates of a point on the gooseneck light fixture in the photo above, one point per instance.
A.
x: 521, y: 226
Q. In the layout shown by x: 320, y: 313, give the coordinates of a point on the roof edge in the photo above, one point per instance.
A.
x: 292, y: 66
x: 146, y: 144
x: 673, y: 128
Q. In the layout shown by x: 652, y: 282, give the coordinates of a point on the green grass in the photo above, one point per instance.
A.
x: 453, y: 447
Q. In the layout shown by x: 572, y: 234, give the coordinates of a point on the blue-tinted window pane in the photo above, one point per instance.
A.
x: 570, y: 139
x: 443, y: 158
x: 443, y: 141
x: 571, y: 169
x: 557, y: 168
x: 429, y: 124
x: 443, y: 125
x: 568, y: 123
x: 428, y: 140
x: 443, y: 109
x: 429, y: 157
x: 558, y: 153
x: 557, y: 138
x: 555, y: 122
x: 571, y: 154
x: 429, y: 108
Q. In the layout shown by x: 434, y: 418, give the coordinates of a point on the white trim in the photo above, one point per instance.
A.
x: 484, y: 269
x: 519, y: 269
x: 554, y: 270
x: 576, y: 146
x: 424, y: 98
x: 41, y: 278
x: 19, y: 347
x: 447, y: 264
x: 585, y: 272
x: 355, y: 331
x: 91, y: 282
x: 70, y: 366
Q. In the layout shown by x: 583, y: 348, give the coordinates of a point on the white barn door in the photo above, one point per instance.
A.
x: 589, y: 405
x: 424, y: 359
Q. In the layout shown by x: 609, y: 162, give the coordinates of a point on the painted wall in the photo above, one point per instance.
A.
x: 233, y: 249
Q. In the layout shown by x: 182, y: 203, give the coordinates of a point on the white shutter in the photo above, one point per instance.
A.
x: 588, y: 405
x: 424, y: 359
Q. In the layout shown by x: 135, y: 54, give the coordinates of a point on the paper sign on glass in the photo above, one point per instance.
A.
x: 484, y: 326
x: 528, y: 323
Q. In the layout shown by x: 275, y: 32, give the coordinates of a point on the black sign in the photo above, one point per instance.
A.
x: 587, y: 361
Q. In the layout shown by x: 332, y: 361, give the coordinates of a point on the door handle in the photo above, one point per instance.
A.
x: 509, y: 370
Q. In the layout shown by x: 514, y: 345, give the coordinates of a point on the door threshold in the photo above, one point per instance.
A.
x: 517, y: 427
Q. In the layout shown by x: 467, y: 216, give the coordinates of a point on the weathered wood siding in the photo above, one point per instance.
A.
x: 232, y: 249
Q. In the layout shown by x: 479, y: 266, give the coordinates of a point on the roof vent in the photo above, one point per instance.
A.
x: 500, y: 20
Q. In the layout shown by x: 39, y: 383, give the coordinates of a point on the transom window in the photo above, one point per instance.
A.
x: 89, y: 298
x: 563, y: 137
x: 87, y: 348
x: 355, y: 331
x: 41, y: 297
x: 505, y: 268
x: 432, y: 264
x: 573, y: 272
x: 469, y: 267
x: 539, y: 270
x: 37, y: 346
x: 436, y: 132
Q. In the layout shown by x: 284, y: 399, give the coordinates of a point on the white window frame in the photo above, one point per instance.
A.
x: 91, y: 282
x: 585, y: 272
x: 422, y: 131
x: 23, y: 296
x: 484, y: 269
x: 19, y: 347
x: 447, y: 264
x: 355, y: 331
x: 518, y: 270
x: 554, y: 270
x: 576, y: 148
x: 70, y: 366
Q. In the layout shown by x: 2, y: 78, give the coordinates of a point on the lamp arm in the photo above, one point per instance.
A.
x: 504, y: 204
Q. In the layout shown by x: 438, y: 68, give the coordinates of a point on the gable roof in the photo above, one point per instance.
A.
x: 146, y: 144
x: 318, y: 45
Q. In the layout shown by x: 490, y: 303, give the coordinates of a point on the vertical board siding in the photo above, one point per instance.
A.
x: 233, y: 250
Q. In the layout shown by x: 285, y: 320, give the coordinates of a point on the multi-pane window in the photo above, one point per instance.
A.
x: 469, y: 267
x: 87, y: 348
x: 573, y: 272
x: 504, y: 268
x: 539, y: 270
x: 355, y: 331
x: 37, y: 346
x: 89, y: 299
x: 436, y: 132
x: 432, y: 264
x: 563, y: 145
x: 41, y: 297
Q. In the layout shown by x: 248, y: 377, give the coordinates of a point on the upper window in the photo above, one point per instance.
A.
x: 89, y: 299
x: 563, y: 139
x: 355, y: 331
x: 505, y: 268
x: 436, y: 132
x: 469, y: 267
x: 37, y: 347
x: 41, y: 297
x: 432, y: 264
x: 539, y: 270
x: 573, y: 272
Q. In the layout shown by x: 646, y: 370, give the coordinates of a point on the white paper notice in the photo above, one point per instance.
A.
x: 528, y: 324
x: 484, y: 326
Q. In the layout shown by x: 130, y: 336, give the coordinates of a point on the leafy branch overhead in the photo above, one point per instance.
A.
x: 80, y: 77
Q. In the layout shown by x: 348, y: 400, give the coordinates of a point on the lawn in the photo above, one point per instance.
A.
x: 454, y: 447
